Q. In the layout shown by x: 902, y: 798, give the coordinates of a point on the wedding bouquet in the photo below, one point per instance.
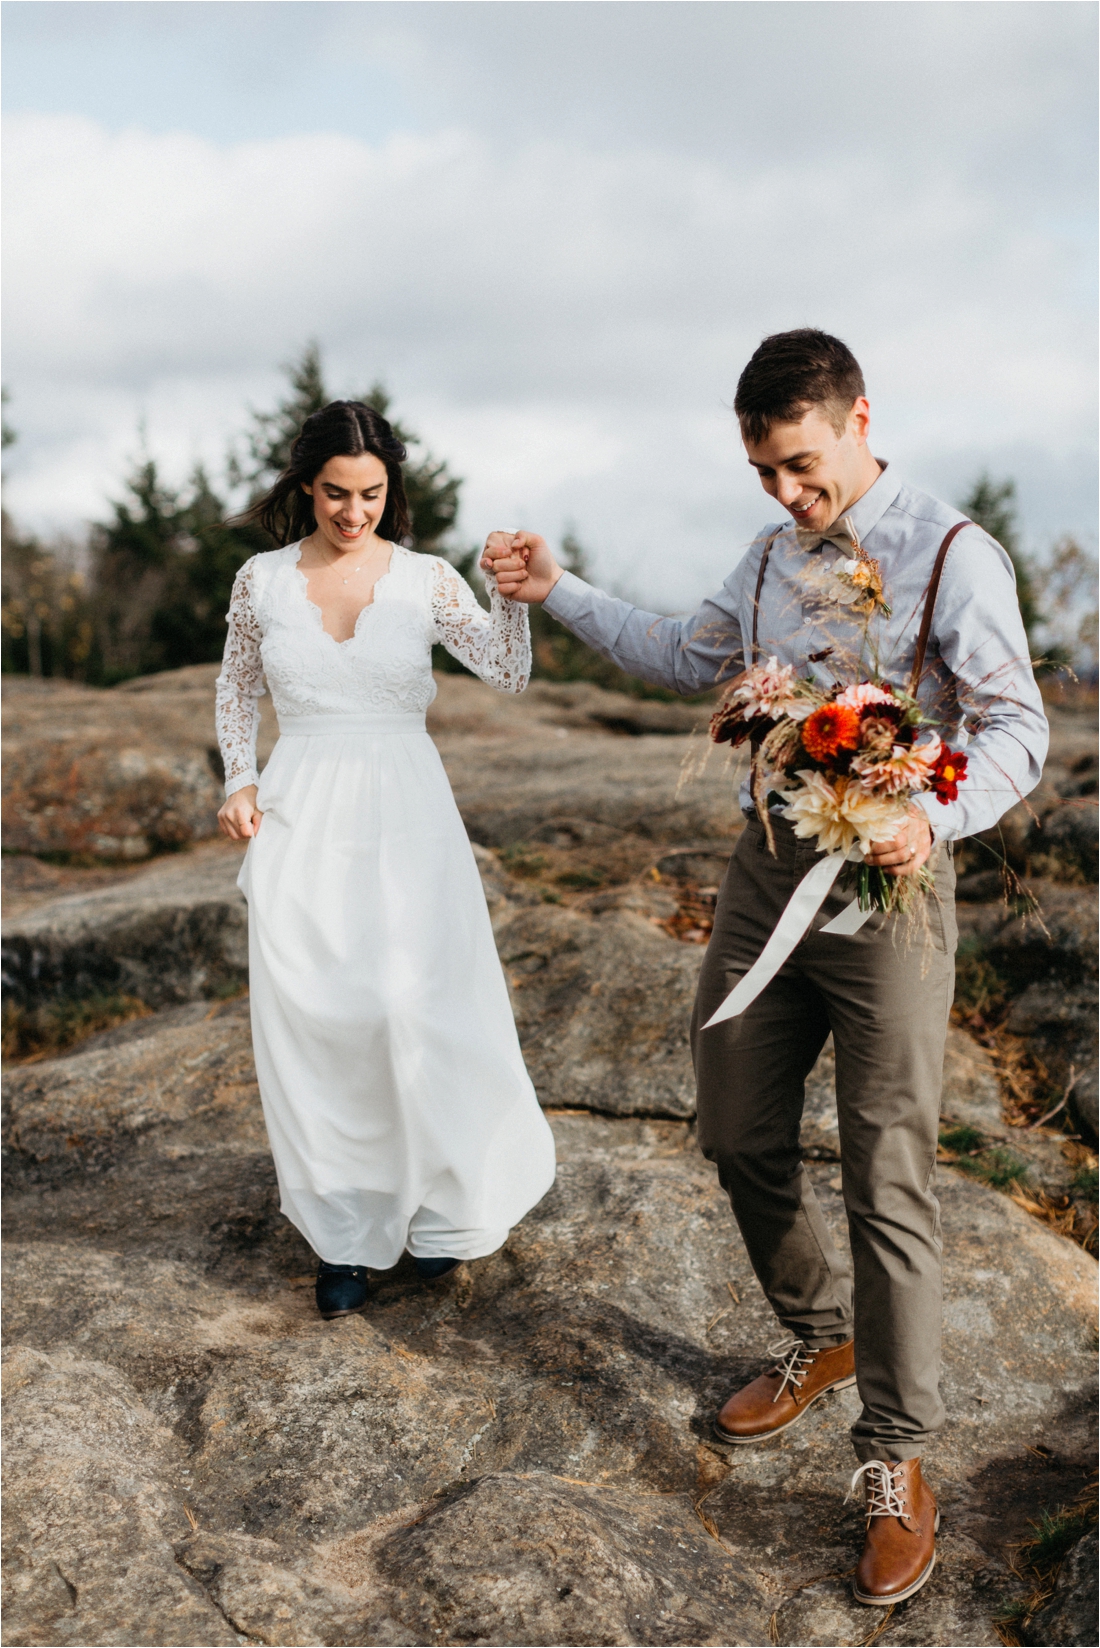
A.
x: 846, y: 763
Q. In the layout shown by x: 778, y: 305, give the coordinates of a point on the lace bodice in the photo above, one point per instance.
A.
x: 276, y: 634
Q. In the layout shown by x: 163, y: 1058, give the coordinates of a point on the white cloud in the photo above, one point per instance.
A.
x: 565, y: 323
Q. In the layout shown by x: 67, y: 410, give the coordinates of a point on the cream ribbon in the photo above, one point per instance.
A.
x: 791, y: 928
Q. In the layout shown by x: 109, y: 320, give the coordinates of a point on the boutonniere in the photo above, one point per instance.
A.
x: 849, y: 580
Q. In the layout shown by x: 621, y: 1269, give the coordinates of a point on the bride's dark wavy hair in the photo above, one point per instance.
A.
x: 342, y: 429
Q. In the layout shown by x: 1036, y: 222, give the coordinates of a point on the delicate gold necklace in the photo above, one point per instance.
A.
x: 354, y: 570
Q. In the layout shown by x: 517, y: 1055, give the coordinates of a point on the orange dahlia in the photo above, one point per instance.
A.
x: 831, y: 728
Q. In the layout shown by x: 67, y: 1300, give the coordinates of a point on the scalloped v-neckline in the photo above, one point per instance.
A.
x: 367, y: 607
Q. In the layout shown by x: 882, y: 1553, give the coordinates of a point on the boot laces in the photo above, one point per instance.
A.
x: 885, y: 1493
x: 793, y: 1361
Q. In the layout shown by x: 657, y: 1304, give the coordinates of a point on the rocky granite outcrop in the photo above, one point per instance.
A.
x: 522, y: 1455
x: 602, y: 1007
x: 123, y: 774
x: 90, y: 1511
x: 602, y: 997
x: 1047, y: 963
x: 544, y: 789
x: 87, y: 773
x: 1053, y: 830
x: 176, y: 932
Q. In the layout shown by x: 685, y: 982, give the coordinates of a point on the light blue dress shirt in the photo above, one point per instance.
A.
x: 978, y: 683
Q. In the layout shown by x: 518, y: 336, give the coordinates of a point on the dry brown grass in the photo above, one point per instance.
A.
x: 1061, y: 1213
x: 42, y: 1033
x: 1027, y: 1089
x: 694, y: 918
x: 1030, y: 1097
x: 1038, y: 1560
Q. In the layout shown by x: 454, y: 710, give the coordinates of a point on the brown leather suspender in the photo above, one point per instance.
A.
x: 929, y: 604
x: 754, y: 742
x: 756, y: 597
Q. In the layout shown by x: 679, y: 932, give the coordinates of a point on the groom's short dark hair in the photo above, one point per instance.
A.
x: 790, y: 373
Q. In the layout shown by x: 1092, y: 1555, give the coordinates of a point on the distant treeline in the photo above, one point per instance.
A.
x: 154, y: 586
x: 150, y: 589
x: 1057, y: 596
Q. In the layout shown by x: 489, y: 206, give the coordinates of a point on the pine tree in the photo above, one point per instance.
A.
x: 138, y: 581
x: 272, y: 435
x: 211, y: 552
x: 7, y: 433
x: 992, y: 505
x: 45, y: 626
x: 162, y: 576
x: 163, y: 565
x: 432, y: 491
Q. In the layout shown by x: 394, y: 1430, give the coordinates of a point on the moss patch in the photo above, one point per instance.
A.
x: 996, y: 1166
x: 961, y: 1139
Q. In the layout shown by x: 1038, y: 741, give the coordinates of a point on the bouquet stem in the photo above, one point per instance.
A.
x: 879, y: 891
x: 876, y: 889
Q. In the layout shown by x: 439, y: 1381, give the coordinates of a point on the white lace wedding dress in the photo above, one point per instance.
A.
x: 397, y: 1103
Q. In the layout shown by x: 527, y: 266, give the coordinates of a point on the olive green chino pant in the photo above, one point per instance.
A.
x: 885, y: 993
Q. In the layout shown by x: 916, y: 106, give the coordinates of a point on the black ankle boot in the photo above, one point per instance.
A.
x: 341, y: 1289
x: 434, y: 1270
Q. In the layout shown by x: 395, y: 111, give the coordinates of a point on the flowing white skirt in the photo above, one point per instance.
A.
x: 398, y: 1106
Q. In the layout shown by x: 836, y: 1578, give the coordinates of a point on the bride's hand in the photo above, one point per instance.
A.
x: 507, y: 565
x: 238, y: 818
x: 522, y: 564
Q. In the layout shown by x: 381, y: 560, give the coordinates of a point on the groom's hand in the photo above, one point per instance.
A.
x: 521, y: 562
x: 908, y: 850
x: 508, y: 565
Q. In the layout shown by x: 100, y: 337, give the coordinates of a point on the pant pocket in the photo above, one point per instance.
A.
x: 941, y: 915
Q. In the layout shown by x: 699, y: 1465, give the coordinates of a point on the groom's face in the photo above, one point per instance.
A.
x: 812, y: 471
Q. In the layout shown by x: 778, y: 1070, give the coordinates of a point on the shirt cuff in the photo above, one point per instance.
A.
x: 241, y: 782
x: 567, y: 597
x: 942, y: 817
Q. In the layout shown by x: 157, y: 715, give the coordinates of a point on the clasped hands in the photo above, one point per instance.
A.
x: 525, y: 570
x: 523, y: 565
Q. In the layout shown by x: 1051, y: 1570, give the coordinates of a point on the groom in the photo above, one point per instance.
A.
x: 885, y: 991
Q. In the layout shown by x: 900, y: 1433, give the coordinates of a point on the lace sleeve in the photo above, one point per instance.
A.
x: 496, y: 644
x: 239, y: 686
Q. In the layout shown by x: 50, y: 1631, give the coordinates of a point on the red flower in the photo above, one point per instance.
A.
x: 947, y: 774
x: 831, y: 728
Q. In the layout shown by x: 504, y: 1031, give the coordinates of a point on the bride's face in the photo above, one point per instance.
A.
x: 349, y: 495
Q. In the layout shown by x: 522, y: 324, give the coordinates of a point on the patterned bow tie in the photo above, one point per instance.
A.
x: 842, y: 533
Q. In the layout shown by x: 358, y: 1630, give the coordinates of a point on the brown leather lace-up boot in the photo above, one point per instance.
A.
x: 783, y: 1394
x: 900, y: 1550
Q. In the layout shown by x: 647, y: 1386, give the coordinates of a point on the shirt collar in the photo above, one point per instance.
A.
x: 868, y: 511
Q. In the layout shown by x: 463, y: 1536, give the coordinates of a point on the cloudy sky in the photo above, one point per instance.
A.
x: 556, y: 231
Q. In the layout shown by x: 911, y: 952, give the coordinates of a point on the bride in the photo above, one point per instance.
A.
x: 397, y: 1103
